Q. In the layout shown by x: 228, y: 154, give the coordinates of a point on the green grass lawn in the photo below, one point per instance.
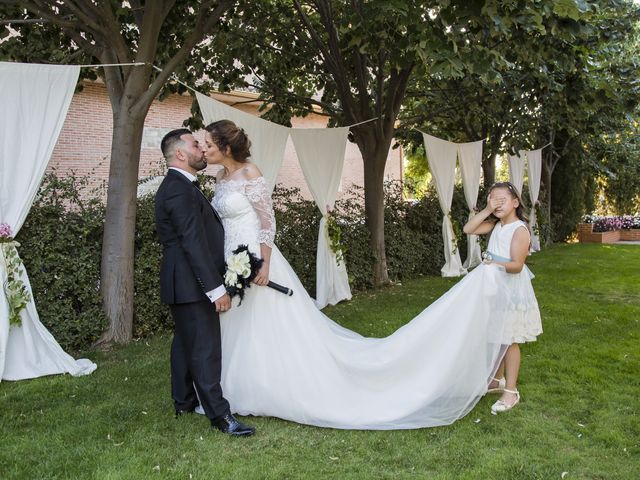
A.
x: 580, y: 411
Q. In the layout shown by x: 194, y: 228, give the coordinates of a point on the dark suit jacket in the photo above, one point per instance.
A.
x: 193, y: 239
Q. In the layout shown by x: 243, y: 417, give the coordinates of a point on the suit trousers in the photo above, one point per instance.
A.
x: 196, y: 358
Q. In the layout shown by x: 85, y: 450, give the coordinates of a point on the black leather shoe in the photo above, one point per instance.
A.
x: 180, y: 412
x: 232, y: 426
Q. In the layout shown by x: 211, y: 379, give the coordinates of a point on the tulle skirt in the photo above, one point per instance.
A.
x: 521, y: 312
x: 282, y: 357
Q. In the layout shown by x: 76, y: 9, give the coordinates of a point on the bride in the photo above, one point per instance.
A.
x: 282, y: 357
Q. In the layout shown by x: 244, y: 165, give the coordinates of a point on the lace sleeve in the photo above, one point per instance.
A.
x: 256, y: 191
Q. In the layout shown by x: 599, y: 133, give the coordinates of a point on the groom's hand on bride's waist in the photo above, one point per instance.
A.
x: 223, y: 303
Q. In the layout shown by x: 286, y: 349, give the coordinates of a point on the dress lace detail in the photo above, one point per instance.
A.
x: 246, y: 210
x: 258, y: 195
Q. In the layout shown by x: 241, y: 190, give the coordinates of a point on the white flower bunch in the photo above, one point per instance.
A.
x: 231, y: 279
x: 238, y: 267
x: 239, y: 263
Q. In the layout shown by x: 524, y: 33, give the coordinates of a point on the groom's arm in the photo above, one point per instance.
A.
x: 182, y: 206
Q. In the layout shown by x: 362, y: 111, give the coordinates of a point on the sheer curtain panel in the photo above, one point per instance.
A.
x: 470, y: 158
x: 441, y: 156
x: 321, y: 155
x: 34, y: 100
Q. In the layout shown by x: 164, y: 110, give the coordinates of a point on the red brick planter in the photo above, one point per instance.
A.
x: 632, y: 235
x: 586, y: 235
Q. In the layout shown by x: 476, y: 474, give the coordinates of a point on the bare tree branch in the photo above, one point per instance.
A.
x: 87, y: 16
x: 47, y: 14
x: 203, y: 25
x: 330, y: 63
x: 154, y: 17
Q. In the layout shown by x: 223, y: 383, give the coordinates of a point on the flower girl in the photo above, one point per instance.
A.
x: 509, y: 246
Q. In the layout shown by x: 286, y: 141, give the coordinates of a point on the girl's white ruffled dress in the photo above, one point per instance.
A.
x: 522, y: 315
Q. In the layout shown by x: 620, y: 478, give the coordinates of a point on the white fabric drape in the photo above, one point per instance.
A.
x: 34, y: 100
x: 534, y: 162
x: 321, y: 155
x: 470, y: 157
x: 516, y: 170
x: 268, y: 139
x: 441, y: 156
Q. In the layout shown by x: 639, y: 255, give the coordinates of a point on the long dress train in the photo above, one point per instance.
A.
x: 282, y: 357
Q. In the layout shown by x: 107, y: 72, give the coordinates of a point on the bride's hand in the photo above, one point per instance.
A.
x: 262, y: 278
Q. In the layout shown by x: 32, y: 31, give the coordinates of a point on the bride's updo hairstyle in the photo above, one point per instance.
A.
x: 225, y: 133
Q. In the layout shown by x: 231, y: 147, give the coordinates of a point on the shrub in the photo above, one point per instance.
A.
x: 61, y: 242
x: 149, y: 314
x: 413, y: 233
x: 297, y: 223
x: 572, y: 194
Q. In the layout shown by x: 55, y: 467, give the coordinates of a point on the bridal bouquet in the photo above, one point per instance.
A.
x: 242, y: 268
x: 16, y: 291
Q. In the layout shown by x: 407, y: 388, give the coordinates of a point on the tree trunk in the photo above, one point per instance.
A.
x: 489, y: 169
x: 374, y: 152
x: 374, y: 214
x: 116, y: 271
x: 546, y: 181
x: 491, y: 149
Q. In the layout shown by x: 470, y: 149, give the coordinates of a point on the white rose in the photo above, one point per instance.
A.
x: 246, y: 272
x: 230, y: 277
x: 239, y: 263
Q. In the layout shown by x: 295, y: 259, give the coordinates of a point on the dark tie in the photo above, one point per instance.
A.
x: 196, y: 183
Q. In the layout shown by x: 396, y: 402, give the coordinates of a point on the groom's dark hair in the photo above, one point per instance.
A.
x: 171, y: 139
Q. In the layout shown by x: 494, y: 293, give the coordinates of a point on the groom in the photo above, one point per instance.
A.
x: 191, y: 283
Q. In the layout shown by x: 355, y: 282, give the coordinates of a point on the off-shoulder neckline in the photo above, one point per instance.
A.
x: 243, y: 180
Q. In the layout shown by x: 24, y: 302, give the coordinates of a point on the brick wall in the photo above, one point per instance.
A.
x: 586, y: 235
x: 84, y: 144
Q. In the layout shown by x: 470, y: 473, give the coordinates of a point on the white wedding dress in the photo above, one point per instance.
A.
x: 282, y: 357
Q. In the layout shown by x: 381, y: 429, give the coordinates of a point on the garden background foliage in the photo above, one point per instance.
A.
x: 61, y: 247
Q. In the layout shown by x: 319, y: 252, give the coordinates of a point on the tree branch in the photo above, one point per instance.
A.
x: 304, y: 100
x: 203, y: 25
x: 46, y: 13
x: 154, y: 17
x: 342, y: 87
x: 83, y: 16
x: 116, y: 40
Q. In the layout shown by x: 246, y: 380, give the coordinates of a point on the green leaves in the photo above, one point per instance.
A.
x: 573, y: 9
x: 14, y: 288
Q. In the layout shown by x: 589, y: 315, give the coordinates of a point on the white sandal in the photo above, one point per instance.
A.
x: 501, y: 406
x: 502, y: 383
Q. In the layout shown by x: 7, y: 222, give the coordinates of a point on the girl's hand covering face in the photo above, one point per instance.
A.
x: 496, y: 200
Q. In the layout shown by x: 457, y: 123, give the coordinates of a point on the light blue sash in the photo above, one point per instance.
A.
x: 498, y: 258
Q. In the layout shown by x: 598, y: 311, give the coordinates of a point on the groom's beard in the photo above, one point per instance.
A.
x: 198, y: 163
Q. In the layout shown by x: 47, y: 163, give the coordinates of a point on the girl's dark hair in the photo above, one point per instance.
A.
x: 225, y: 134
x: 515, y: 194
